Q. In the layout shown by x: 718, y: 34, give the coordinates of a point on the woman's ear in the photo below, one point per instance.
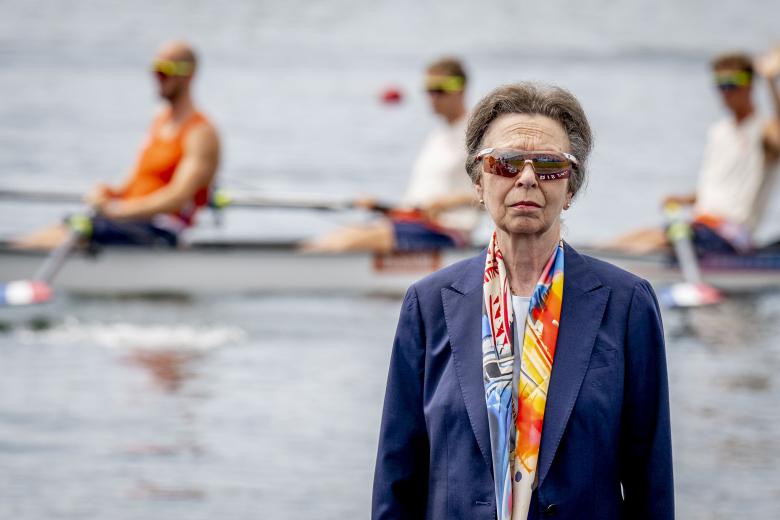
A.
x: 569, y: 197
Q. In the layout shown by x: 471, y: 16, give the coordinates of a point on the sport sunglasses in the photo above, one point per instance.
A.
x: 170, y: 68
x: 506, y: 162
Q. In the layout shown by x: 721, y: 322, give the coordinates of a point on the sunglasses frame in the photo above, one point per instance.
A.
x: 173, y: 68
x: 562, y: 174
x: 435, y: 84
x: 733, y: 80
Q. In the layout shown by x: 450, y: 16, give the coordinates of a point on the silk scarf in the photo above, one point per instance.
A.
x: 516, y: 428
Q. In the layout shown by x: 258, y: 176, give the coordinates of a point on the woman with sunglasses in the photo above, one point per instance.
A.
x: 529, y: 381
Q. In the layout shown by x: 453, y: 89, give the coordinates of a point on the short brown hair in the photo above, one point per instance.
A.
x: 554, y: 102
x: 733, y: 61
x: 448, y: 67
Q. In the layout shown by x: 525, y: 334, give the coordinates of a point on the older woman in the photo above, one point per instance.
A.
x: 529, y: 381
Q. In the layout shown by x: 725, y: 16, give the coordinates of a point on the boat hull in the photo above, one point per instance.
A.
x: 262, y: 268
x: 229, y: 270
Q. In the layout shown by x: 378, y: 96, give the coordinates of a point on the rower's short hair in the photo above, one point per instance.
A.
x: 733, y: 61
x: 448, y: 66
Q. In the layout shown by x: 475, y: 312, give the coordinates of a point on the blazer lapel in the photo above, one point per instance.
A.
x: 462, y: 311
x: 584, y: 301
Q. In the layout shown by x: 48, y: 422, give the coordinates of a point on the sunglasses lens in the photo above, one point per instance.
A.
x: 499, y: 166
x: 548, y: 166
x: 168, y: 68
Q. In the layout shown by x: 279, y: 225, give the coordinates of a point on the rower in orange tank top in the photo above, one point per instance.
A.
x: 170, y: 179
x: 158, y: 161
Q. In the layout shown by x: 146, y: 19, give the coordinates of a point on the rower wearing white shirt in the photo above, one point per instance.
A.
x: 439, y: 209
x: 740, y: 161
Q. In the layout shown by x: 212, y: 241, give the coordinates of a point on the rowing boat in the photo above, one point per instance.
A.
x: 229, y: 267
x: 213, y: 267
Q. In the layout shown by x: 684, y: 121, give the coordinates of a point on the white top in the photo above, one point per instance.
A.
x: 520, y: 306
x: 440, y: 171
x: 733, y: 181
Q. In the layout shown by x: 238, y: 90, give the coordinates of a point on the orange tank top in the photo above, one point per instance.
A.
x: 158, y: 161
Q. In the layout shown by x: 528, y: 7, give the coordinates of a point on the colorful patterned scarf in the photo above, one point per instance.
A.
x: 515, y: 433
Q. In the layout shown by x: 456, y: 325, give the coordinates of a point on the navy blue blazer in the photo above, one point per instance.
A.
x: 606, y: 442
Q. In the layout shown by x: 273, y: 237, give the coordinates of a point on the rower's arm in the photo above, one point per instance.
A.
x: 769, y: 67
x: 448, y: 202
x: 195, y: 170
x: 772, y: 130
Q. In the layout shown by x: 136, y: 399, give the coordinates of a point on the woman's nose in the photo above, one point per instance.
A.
x: 527, y: 176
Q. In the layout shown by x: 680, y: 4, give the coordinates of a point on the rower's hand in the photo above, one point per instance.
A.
x: 433, y: 210
x: 99, y: 195
x: 371, y: 204
x: 768, y: 65
x: 111, y: 209
x: 367, y: 203
x: 679, y: 200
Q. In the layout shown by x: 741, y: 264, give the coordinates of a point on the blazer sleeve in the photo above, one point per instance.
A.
x: 401, y: 473
x: 646, y: 447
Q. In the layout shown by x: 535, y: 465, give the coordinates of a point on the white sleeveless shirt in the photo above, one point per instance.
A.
x: 440, y: 171
x: 734, y: 179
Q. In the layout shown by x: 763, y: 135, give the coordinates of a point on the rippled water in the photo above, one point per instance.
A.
x: 240, y: 408
x: 269, y: 406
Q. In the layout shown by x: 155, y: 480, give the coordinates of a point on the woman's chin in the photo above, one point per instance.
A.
x: 524, y: 227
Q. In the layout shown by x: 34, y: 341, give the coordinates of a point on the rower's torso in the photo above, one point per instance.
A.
x: 735, y: 175
x: 160, y: 156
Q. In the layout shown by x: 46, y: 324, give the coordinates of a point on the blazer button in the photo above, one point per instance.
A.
x: 550, y: 511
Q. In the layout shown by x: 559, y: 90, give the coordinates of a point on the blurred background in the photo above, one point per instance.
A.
x: 183, y: 407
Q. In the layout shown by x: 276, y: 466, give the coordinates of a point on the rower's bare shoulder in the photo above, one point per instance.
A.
x: 203, y: 143
x: 203, y: 135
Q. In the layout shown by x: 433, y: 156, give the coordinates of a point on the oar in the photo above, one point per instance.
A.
x: 223, y: 199
x: 38, y: 289
x: 64, y: 197
x: 692, y: 292
x: 220, y: 199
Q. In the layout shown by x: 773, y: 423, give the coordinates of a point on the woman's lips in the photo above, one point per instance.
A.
x: 526, y: 204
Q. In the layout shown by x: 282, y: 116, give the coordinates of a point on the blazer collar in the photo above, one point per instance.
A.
x: 462, y: 303
x: 584, y: 301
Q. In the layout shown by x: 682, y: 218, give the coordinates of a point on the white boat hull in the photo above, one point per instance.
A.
x: 229, y: 270
x: 237, y: 269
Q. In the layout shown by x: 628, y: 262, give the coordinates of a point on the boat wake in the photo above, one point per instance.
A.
x: 130, y: 336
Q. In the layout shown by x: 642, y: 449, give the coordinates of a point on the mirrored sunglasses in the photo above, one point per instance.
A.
x: 548, y: 166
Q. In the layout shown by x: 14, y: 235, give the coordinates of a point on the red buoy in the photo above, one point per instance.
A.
x: 391, y: 96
